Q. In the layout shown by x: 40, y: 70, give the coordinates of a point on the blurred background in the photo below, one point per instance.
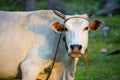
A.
x: 104, y: 44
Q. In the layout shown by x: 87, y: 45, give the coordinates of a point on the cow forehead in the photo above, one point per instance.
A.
x: 77, y: 21
x: 76, y: 15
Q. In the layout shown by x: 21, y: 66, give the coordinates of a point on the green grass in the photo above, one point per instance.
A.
x: 103, y: 67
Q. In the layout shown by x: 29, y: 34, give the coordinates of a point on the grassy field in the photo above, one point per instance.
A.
x: 103, y: 67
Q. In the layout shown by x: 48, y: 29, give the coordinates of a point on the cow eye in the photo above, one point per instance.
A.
x: 86, y: 28
x: 65, y: 29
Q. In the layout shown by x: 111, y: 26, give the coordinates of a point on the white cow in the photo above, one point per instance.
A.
x: 28, y: 42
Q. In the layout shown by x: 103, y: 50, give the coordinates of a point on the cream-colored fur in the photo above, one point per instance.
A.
x: 28, y: 43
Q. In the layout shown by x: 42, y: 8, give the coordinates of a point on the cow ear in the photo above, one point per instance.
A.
x: 95, y: 24
x: 57, y: 26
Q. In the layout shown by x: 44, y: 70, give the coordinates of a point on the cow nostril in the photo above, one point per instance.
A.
x: 72, y: 47
x: 76, y: 46
x: 79, y: 47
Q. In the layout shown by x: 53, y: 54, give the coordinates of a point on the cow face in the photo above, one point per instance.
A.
x: 76, y: 29
x: 76, y: 35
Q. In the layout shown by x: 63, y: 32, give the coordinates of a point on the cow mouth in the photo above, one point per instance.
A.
x: 76, y: 54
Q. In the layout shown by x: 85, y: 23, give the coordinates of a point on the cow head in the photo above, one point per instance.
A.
x: 76, y: 29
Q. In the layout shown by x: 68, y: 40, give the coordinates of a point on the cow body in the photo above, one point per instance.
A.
x: 27, y: 42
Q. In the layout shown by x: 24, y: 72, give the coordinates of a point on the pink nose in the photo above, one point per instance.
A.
x: 73, y: 46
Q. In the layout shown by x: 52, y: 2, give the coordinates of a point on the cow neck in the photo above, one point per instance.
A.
x: 49, y: 70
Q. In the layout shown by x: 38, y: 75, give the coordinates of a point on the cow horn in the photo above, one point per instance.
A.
x: 59, y: 14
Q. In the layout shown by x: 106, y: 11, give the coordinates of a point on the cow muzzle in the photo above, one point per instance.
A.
x: 76, y: 51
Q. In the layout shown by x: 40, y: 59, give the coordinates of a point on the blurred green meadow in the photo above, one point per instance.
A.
x: 103, y: 67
